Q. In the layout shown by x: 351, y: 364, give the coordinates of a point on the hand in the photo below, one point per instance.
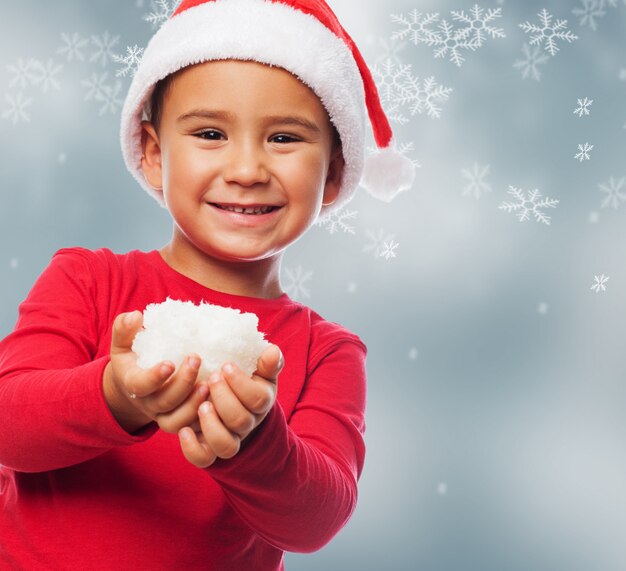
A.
x: 238, y: 404
x: 139, y: 396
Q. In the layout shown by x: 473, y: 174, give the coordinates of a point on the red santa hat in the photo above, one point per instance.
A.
x: 305, y: 38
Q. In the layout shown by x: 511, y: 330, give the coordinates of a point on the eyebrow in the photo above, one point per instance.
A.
x: 226, y: 116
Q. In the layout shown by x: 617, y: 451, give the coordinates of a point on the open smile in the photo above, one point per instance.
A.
x: 252, y: 216
x: 254, y: 210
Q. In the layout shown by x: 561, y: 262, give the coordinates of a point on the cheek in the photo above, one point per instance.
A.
x: 308, y: 176
x: 183, y: 164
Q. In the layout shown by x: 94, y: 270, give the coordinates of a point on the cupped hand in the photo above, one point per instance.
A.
x: 160, y: 393
x: 237, y: 405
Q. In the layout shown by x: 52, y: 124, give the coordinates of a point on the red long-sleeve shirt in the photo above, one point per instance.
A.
x: 79, y: 492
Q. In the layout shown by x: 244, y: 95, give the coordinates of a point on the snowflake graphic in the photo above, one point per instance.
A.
x: 548, y: 31
x: 391, y: 79
x: 295, y: 288
x: 403, y: 149
x: 24, y: 73
x: 96, y: 86
x: 476, y: 180
x: 588, y: 12
x: 161, y: 12
x: 110, y: 98
x: 583, y: 107
x: 478, y: 23
x: 46, y: 75
x: 389, y: 250
x: 415, y: 27
x: 398, y: 87
x: 16, y: 111
x: 131, y: 60
x: 534, y: 57
x: 615, y: 192
x: 449, y: 40
x: 72, y: 47
x: 600, y: 283
x: 376, y: 246
x: 583, y: 152
x: 337, y: 221
x: 425, y: 97
x: 390, y: 50
x: 104, y: 48
x: 591, y: 9
x: 528, y: 204
x: 452, y: 41
x: 394, y: 113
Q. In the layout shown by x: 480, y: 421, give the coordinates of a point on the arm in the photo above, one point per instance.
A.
x: 58, y: 405
x: 295, y: 483
x: 52, y: 408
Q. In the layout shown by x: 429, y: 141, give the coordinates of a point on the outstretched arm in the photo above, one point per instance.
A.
x: 294, y: 482
x: 52, y: 408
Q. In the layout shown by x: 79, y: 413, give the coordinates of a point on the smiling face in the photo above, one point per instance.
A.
x: 236, y: 134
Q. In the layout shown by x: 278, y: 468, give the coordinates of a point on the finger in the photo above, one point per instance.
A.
x: 196, y: 452
x: 178, y: 387
x: 256, y: 394
x: 186, y: 414
x: 219, y: 439
x: 125, y: 328
x: 144, y: 382
x: 233, y: 414
x: 270, y: 363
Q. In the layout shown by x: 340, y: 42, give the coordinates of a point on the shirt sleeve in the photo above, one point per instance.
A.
x: 295, y: 482
x: 52, y: 408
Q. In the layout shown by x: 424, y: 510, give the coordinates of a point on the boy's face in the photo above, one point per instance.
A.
x: 241, y: 133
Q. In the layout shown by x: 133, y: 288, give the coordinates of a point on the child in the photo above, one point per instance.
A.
x: 253, y: 123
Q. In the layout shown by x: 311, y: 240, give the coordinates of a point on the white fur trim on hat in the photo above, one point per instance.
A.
x: 263, y: 31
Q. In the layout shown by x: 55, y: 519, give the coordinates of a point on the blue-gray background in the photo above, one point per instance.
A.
x: 496, y: 431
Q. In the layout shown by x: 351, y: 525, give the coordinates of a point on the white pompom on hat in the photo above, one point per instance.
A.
x: 303, y: 37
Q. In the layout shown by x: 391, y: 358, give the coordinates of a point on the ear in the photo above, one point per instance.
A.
x: 151, y: 156
x: 334, y: 176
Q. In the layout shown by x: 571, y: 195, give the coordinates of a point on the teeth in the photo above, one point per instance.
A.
x: 258, y: 210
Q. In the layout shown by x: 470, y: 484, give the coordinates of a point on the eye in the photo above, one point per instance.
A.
x: 285, y: 139
x: 209, y: 135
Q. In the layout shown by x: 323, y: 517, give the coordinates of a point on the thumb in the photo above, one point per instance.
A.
x: 125, y: 328
x: 270, y: 362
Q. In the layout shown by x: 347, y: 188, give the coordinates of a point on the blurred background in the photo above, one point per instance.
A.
x: 496, y: 431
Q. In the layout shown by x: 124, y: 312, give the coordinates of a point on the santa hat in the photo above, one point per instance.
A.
x: 305, y: 38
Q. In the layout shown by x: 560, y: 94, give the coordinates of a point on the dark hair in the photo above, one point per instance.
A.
x: 156, y: 100
x: 158, y: 97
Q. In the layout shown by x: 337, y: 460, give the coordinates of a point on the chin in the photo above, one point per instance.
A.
x: 242, y: 258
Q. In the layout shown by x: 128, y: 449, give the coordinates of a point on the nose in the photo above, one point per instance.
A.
x: 246, y: 164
